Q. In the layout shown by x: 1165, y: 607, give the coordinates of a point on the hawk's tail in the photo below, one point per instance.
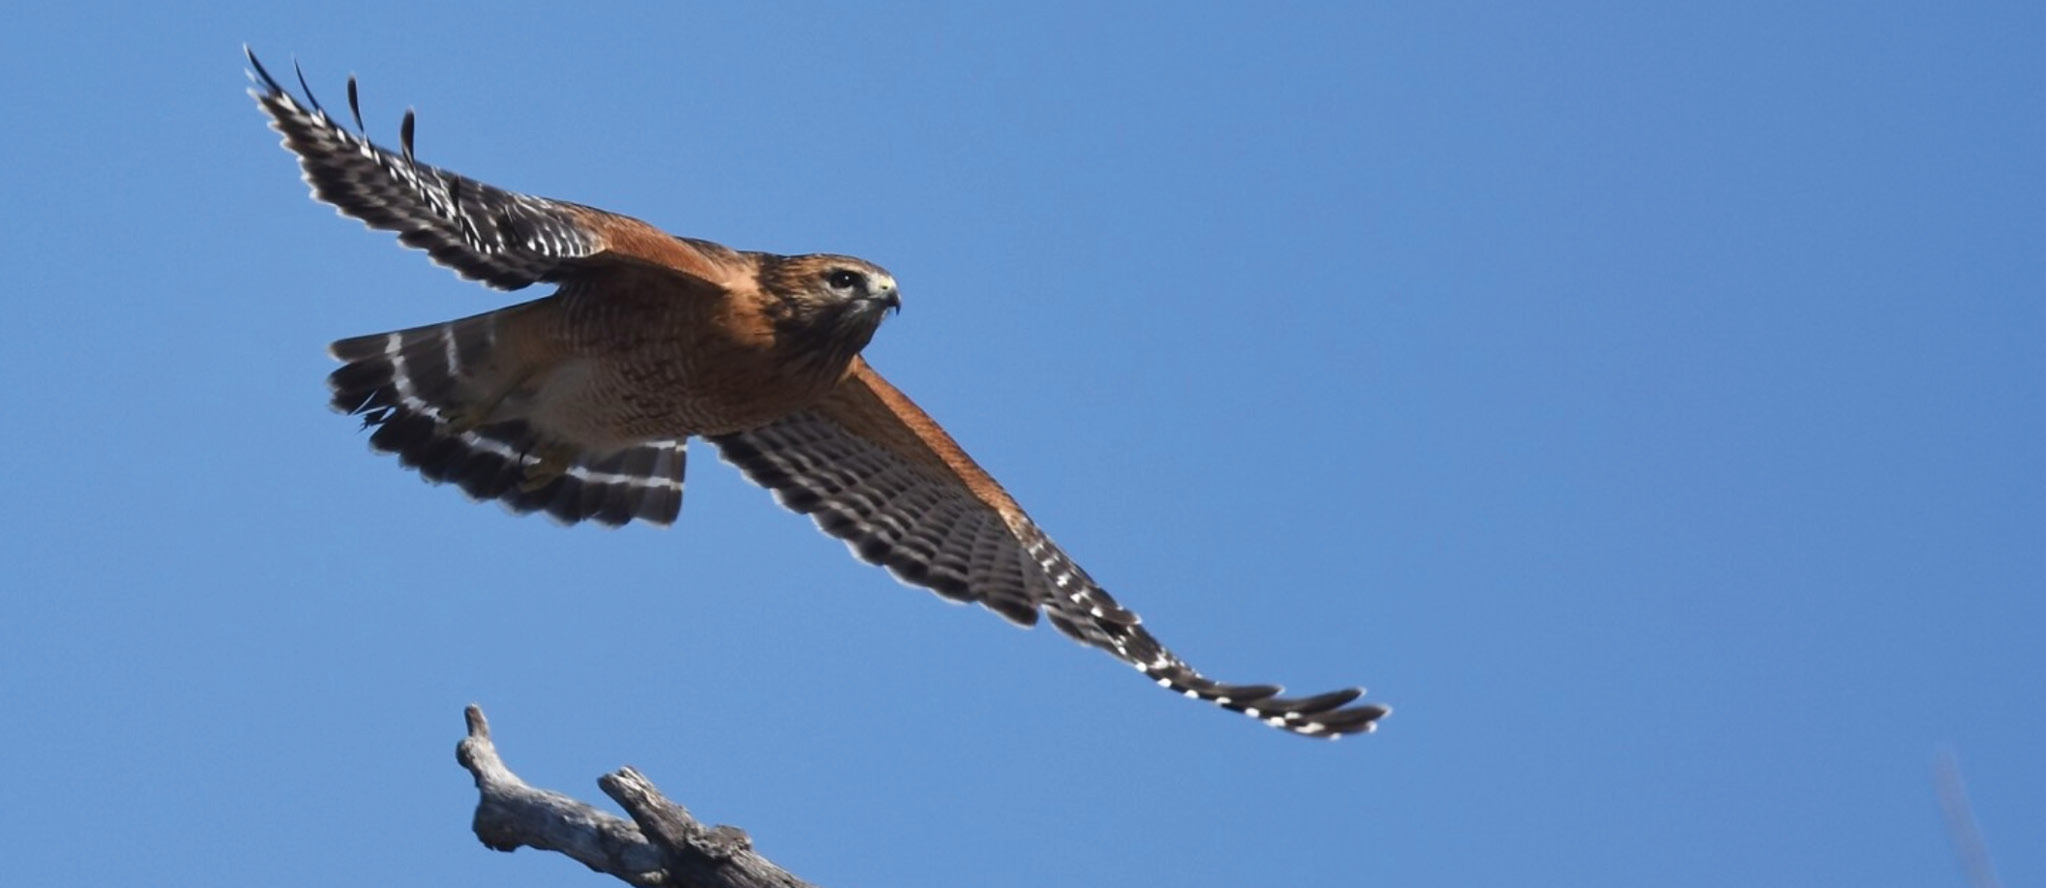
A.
x: 444, y: 398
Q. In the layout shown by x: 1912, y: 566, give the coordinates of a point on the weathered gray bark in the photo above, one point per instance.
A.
x: 662, y: 845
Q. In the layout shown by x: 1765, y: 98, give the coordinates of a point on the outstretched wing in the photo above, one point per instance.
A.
x: 874, y: 470
x: 502, y: 238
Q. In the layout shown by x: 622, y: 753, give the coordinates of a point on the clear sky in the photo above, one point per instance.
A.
x: 1648, y: 403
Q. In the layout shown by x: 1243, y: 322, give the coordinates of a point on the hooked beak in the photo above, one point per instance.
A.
x: 889, y: 297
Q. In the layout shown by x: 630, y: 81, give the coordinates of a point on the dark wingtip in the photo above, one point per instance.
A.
x: 405, y: 134
x: 306, y: 88
x: 1247, y: 694
x: 355, y: 106
x: 1315, y: 705
x: 269, y: 82
x: 1361, y: 720
x: 1323, y: 716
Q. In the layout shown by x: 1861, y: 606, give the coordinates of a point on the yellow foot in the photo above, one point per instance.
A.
x: 553, y: 462
x: 465, y: 418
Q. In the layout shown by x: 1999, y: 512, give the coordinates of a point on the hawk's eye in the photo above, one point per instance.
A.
x: 844, y: 279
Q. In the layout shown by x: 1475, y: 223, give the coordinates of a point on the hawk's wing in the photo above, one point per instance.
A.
x: 502, y: 238
x: 877, y: 472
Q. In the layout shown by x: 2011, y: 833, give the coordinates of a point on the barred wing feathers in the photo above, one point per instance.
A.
x: 501, y: 238
x: 873, y: 470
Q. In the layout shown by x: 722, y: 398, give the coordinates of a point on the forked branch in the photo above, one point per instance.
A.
x: 662, y: 845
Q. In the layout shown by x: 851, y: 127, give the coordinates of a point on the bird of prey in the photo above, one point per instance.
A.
x: 580, y: 404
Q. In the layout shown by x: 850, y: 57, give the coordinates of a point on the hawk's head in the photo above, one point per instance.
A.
x: 826, y: 307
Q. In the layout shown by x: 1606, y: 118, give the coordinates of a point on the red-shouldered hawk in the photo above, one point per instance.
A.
x: 580, y: 404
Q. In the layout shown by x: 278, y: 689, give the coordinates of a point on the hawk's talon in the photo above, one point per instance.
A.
x: 552, y: 462
x: 461, y: 419
x: 465, y: 418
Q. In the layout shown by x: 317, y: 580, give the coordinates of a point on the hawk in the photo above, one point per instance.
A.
x: 580, y: 404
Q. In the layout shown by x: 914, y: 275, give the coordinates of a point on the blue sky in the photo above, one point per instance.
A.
x: 1648, y: 404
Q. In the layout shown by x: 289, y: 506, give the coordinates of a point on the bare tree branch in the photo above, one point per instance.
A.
x: 662, y: 845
